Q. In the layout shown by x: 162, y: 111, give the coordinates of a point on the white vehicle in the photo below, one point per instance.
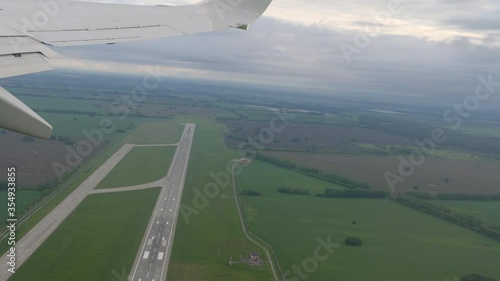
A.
x: 28, y: 27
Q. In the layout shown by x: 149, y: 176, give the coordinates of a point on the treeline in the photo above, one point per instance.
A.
x: 294, y: 191
x: 476, y: 277
x: 250, y: 192
x: 65, y: 111
x: 345, y: 182
x: 454, y: 196
x: 468, y: 197
x: 350, y: 193
x: 467, y: 221
x: 278, y: 162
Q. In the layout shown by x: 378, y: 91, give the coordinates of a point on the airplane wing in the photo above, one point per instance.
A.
x: 28, y: 27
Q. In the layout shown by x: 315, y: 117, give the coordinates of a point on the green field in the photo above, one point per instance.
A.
x: 141, y: 165
x: 266, y: 184
x: 486, y: 211
x: 62, y: 103
x: 156, y: 132
x: 97, y: 241
x: 399, y: 243
x: 24, y: 199
x: 204, y: 244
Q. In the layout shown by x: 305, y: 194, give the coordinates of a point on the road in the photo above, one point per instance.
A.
x: 154, y: 253
x: 38, y: 234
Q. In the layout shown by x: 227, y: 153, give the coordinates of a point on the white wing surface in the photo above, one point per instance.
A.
x: 28, y: 27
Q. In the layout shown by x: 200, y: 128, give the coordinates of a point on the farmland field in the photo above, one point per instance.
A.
x: 389, y: 231
x: 315, y: 137
x: 27, y: 156
x: 141, y: 165
x: 463, y: 175
x: 97, y: 241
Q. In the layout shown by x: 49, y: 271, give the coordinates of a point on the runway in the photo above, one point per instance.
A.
x: 154, y: 253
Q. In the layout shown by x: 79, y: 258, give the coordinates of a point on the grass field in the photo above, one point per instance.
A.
x: 267, y: 185
x: 141, y: 165
x: 157, y: 132
x: 60, y: 103
x: 204, y: 244
x: 98, y: 240
x: 486, y: 211
x: 399, y: 243
x: 24, y: 199
x: 463, y: 175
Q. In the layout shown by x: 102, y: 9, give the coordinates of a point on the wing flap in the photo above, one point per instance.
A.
x: 11, y: 65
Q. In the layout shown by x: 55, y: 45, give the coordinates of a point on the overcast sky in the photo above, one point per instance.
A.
x: 416, y: 49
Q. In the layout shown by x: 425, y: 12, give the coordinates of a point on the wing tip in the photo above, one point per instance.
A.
x: 18, y: 117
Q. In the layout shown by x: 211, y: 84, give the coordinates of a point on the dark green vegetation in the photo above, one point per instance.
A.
x: 141, y: 165
x: 467, y: 221
x: 476, y: 277
x: 334, y: 193
x: 97, y: 241
x: 467, y: 197
x: 389, y: 231
x: 455, y: 196
x: 250, y: 192
x: 294, y: 191
x: 353, y: 241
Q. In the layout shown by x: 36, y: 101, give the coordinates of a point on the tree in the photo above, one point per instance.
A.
x: 250, y: 192
x: 353, y: 241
